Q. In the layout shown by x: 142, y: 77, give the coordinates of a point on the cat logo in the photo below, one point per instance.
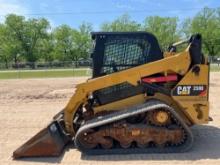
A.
x: 183, y: 90
x: 190, y: 90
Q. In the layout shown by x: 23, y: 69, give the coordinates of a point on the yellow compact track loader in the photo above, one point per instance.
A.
x: 139, y: 100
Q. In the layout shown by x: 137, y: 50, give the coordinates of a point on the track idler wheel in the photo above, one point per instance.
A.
x: 108, y: 143
x: 87, y: 140
x: 125, y: 144
x: 142, y: 144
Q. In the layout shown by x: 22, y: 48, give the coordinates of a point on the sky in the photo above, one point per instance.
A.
x: 75, y: 12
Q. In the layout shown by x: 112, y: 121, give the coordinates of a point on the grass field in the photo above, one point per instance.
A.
x: 16, y: 74
x: 215, y: 68
x: 44, y: 73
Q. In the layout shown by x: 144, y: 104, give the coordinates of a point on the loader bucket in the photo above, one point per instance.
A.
x: 48, y: 142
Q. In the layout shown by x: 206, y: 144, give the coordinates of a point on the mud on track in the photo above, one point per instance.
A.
x: 26, y: 106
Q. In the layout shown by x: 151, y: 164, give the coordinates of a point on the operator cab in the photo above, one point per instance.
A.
x: 116, y: 51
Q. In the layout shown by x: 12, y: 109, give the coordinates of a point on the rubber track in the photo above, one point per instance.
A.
x: 119, y: 115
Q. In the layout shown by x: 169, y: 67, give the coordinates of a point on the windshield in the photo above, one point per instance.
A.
x: 123, y: 53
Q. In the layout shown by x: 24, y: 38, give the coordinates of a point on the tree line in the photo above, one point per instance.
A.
x: 32, y: 40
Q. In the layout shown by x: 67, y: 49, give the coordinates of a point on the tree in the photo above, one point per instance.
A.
x: 207, y: 23
x: 82, y: 42
x: 123, y: 23
x: 27, y: 33
x: 31, y: 40
x: 9, y: 46
x: 72, y: 44
x: 4, y: 55
x: 186, y: 28
x: 165, y: 29
x: 63, y: 36
x: 46, y: 49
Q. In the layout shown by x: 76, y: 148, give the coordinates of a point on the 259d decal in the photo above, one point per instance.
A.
x: 190, y: 90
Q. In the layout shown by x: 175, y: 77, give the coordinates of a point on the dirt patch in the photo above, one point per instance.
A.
x: 28, y: 90
x: 26, y: 106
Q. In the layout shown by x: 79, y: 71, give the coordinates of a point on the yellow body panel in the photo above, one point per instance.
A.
x: 178, y: 63
x: 121, y: 104
x: 195, y: 107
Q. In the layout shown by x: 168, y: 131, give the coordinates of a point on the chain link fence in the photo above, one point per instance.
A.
x: 61, y: 69
x: 215, y: 60
x: 45, y: 65
x: 45, y: 69
x: 64, y: 64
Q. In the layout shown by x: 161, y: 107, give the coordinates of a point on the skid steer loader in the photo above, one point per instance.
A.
x: 139, y: 99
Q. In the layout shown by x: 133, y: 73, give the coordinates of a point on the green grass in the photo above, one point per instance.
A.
x: 13, y: 74
x: 44, y: 74
x: 215, y: 68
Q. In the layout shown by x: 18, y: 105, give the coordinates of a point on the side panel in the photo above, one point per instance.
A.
x: 121, y: 104
x: 192, y: 94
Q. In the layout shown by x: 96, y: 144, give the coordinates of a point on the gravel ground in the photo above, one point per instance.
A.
x: 26, y: 106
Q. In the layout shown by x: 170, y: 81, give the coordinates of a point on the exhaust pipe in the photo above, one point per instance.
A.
x: 48, y: 142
